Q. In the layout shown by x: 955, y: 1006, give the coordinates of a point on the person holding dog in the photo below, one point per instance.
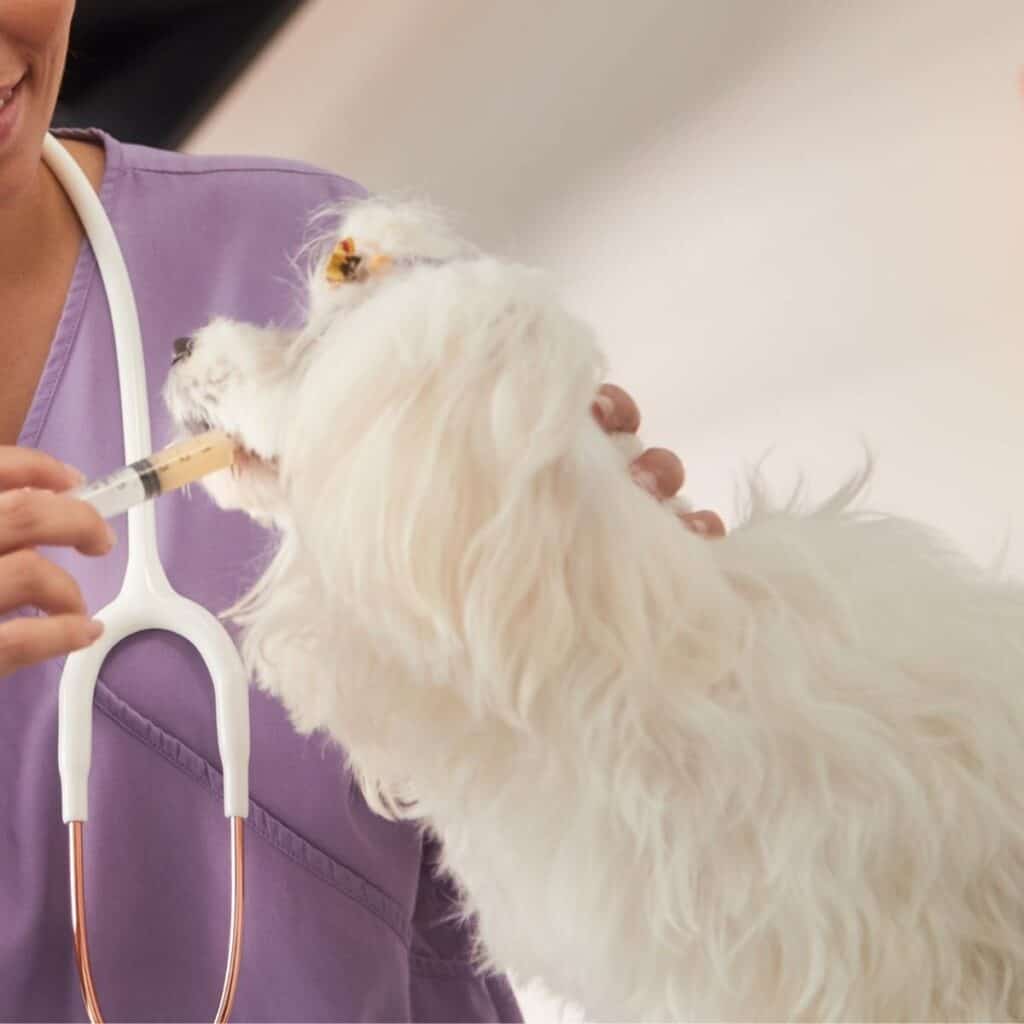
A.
x: 347, y: 918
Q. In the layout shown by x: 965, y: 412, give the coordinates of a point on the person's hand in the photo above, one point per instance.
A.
x: 657, y: 469
x: 34, y: 512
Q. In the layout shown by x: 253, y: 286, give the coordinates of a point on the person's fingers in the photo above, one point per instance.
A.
x: 26, y: 467
x: 658, y: 471
x: 615, y: 410
x: 29, y: 518
x: 27, y: 578
x: 705, y: 522
x: 31, y: 640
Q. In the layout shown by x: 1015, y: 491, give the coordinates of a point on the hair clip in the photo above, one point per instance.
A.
x: 346, y: 264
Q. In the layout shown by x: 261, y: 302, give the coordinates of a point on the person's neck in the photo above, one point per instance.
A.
x: 41, y: 220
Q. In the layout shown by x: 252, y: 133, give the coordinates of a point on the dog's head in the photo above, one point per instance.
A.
x: 247, y: 380
x: 410, y: 334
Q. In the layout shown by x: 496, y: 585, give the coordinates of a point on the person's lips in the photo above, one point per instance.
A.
x: 8, y: 90
x: 10, y: 106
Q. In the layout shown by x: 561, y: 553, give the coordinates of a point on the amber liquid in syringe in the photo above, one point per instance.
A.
x: 166, y: 470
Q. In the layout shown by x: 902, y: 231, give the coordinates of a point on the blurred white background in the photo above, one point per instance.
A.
x: 795, y: 224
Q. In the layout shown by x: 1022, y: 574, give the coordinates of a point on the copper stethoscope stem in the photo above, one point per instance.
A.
x: 76, y: 832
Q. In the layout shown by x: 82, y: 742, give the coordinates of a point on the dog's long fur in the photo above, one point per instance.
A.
x: 775, y: 776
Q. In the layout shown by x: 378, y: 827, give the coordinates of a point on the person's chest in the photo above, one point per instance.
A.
x: 31, y: 317
x: 34, y: 301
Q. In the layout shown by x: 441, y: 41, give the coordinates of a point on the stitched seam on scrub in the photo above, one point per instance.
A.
x: 429, y: 967
x: 263, y: 823
x: 333, y: 179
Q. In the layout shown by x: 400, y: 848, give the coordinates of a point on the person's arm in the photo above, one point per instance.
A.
x: 33, y: 511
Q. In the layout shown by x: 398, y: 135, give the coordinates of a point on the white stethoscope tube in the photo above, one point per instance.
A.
x: 146, y: 601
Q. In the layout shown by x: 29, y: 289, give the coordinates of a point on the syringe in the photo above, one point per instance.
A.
x: 166, y: 470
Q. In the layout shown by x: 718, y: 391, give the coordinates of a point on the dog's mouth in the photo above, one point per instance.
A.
x: 246, y: 458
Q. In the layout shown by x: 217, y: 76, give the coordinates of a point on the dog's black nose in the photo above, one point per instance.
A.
x: 182, y: 348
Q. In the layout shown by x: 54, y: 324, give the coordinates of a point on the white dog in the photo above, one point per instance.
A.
x: 776, y: 776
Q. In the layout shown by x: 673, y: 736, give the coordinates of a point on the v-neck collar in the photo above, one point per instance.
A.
x: 85, y: 273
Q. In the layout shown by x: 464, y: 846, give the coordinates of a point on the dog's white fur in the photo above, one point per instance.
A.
x: 775, y: 776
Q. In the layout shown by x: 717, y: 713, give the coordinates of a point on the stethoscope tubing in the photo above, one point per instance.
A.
x: 145, y: 601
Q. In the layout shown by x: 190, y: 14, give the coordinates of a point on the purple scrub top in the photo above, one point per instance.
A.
x: 345, y: 919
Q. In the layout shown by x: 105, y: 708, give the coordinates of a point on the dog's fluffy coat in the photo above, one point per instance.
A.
x: 773, y: 776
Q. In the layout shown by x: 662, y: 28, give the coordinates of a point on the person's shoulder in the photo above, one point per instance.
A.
x: 234, y: 179
x: 162, y: 161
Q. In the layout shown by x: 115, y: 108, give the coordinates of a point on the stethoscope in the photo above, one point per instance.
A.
x: 146, y: 601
